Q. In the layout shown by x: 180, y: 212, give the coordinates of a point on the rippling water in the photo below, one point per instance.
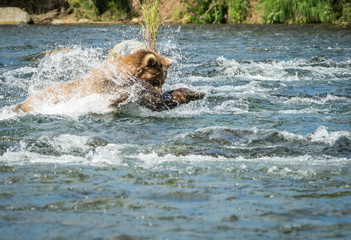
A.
x: 266, y: 154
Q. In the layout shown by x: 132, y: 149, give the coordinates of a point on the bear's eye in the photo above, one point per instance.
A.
x: 151, y: 63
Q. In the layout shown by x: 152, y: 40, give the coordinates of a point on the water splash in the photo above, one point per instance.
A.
x: 64, y: 66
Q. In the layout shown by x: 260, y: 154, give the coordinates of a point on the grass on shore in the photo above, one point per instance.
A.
x: 225, y: 11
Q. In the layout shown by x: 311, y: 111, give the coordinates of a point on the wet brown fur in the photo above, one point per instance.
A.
x: 146, y: 68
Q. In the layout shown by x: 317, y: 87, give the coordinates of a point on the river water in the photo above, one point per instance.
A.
x: 265, y: 155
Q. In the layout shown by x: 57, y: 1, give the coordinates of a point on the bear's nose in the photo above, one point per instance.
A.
x: 159, y: 89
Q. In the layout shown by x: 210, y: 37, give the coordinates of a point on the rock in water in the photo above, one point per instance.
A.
x: 13, y: 15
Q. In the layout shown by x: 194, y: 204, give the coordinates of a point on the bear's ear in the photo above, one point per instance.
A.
x: 150, y: 60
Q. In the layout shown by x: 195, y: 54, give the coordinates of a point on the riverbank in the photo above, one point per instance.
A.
x: 186, y: 12
x: 53, y: 18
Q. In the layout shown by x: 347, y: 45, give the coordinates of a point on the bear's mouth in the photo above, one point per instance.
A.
x: 155, y: 83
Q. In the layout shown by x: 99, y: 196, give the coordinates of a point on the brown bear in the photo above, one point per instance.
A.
x: 135, y: 77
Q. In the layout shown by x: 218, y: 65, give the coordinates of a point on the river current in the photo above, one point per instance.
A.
x: 265, y: 155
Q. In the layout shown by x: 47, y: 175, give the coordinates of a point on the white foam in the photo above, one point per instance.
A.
x: 232, y: 106
x: 301, y: 165
x: 303, y: 111
x: 66, y: 144
x: 107, y: 155
x: 153, y: 160
x: 16, y: 77
x: 77, y: 150
x: 322, y: 135
x: 327, y: 99
x: 7, y: 113
x: 94, y: 103
x: 26, y: 157
x: 290, y: 166
x: 280, y: 70
x: 291, y: 136
x: 288, y: 172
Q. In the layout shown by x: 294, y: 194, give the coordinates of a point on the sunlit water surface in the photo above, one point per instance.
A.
x: 266, y: 154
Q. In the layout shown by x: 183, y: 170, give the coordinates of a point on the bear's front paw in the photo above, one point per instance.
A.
x: 179, y: 96
x: 196, y: 96
x: 184, y: 95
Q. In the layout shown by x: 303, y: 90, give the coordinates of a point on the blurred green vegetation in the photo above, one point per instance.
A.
x: 215, y: 11
x: 227, y: 11
x: 307, y: 11
x: 270, y: 11
x: 85, y: 9
x: 101, y: 9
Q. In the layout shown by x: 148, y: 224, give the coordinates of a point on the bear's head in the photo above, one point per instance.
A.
x: 148, y: 66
